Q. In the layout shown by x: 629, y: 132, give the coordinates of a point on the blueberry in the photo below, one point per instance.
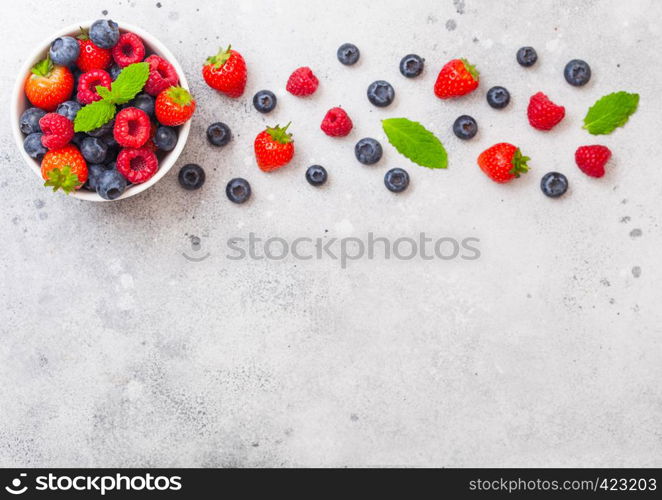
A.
x: 465, y: 127
x: 94, y: 172
x: 29, y: 120
x: 78, y: 138
x: 165, y: 138
x: 104, y: 33
x: 33, y: 146
x: 111, y: 184
x: 93, y: 149
x: 144, y: 102
x: 527, y: 56
x: 238, y: 190
x: 348, y: 54
x: 396, y: 180
x: 64, y: 51
x: 554, y: 184
x: 191, y: 176
x: 316, y: 175
x: 69, y: 109
x: 103, y: 129
x: 498, y: 97
x: 264, y: 101
x: 368, y: 151
x: 114, y: 72
x: 110, y: 141
x: 411, y: 65
x: 577, y: 72
x: 218, y: 134
x: 381, y: 93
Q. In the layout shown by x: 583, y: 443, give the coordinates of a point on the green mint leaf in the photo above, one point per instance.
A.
x: 415, y: 142
x: 129, y: 83
x: 94, y: 115
x: 102, y: 91
x: 610, y: 112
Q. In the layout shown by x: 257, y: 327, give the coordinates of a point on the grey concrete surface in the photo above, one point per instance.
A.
x: 115, y: 350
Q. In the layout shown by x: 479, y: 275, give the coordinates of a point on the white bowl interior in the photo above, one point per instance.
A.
x: 20, y: 103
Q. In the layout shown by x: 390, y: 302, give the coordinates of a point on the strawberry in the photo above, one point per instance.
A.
x: 503, y: 162
x: 592, y: 159
x: 274, y: 148
x: 457, y: 78
x: 302, y: 82
x: 174, y: 106
x: 91, y: 57
x: 48, y: 85
x: 544, y: 114
x: 226, y: 72
x: 64, y: 168
x: 336, y: 123
x: 57, y: 131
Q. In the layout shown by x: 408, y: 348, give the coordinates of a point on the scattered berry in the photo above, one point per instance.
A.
x: 104, y: 33
x: 592, y: 159
x: 381, y: 93
x: 138, y: 165
x: 302, y: 82
x: 88, y: 83
x: 554, y: 184
x: 544, y: 114
x: 577, y: 72
x: 29, y: 120
x: 144, y: 102
x: 33, y: 146
x: 48, y: 85
x: 368, y: 151
x: 111, y: 184
x: 64, y: 168
x: 226, y: 72
x: 130, y: 49
x: 132, y: 128
x: 264, y: 101
x: 174, y: 106
x: 274, y: 148
x: 165, y: 138
x: 348, y: 54
x: 498, y: 97
x: 68, y: 109
x: 465, y: 127
x: 91, y: 56
x: 503, y: 162
x: 238, y: 190
x: 457, y: 78
x: 336, y: 123
x: 316, y: 175
x: 94, y: 149
x: 162, y: 75
x: 218, y: 134
x: 58, y: 131
x: 64, y: 51
x: 527, y: 56
x: 411, y: 65
x: 191, y: 176
x: 396, y: 180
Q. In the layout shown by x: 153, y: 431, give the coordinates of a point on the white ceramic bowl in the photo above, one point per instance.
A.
x: 20, y: 103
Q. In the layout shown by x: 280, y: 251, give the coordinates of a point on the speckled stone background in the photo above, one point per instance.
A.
x: 115, y: 350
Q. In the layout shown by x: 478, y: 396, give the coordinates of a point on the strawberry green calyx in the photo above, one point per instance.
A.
x: 279, y: 134
x: 43, y: 67
x: 63, y: 179
x: 179, y: 96
x: 221, y: 58
x: 471, y: 69
x: 84, y: 34
x: 519, y: 163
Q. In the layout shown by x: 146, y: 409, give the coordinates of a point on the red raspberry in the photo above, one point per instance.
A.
x: 132, y: 128
x: 302, y: 82
x: 162, y: 75
x: 544, y: 114
x: 57, y: 130
x: 337, y: 123
x: 590, y: 159
x: 137, y: 164
x: 88, y: 83
x: 129, y: 50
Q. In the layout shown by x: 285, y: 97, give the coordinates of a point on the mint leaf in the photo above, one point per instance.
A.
x: 415, y: 142
x: 129, y: 82
x: 610, y: 112
x: 94, y: 115
x: 102, y: 91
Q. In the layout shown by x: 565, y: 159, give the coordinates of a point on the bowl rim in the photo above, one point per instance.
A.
x: 20, y: 103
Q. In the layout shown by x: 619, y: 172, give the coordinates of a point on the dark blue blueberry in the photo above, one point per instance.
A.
x: 577, y: 72
x: 93, y: 149
x: 381, y: 93
x: 498, y: 97
x: 144, y: 102
x: 527, y: 56
x: 165, y: 138
x: 218, y: 134
x: 114, y: 71
x: 238, y: 190
x: 111, y: 185
x: 29, y: 120
x: 465, y: 127
x: 104, y: 33
x: 368, y: 151
x: 76, y: 71
x: 396, y: 180
x: 94, y: 172
x: 103, y: 129
x: 191, y: 176
x: 348, y: 54
x: 412, y: 65
x: 110, y: 140
x: 78, y: 138
x: 64, y: 51
x: 316, y: 175
x: 69, y: 109
x: 554, y: 184
x: 33, y: 146
x: 264, y: 101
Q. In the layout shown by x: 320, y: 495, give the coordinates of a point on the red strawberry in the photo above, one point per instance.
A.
x: 226, y: 72
x: 132, y: 128
x: 174, y: 106
x: 457, y: 78
x: 302, y: 82
x: 544, y: 114
x: 88, y: 83
x: 130, y: 49
x: 274, y: 148
x: 503, y: 162
x: 64, y: 168
x: 336, y: 123
x: 138, y: 165
x: 91, y: 56
x: 57, y: 130
x: 162, y: 75
x: 592, y: 159
x: 48, y: 85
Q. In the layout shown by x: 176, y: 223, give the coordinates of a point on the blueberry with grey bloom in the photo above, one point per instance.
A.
x: 498, y: 97
x: 69, y: 109
x: 144, y: 102
x: 103, y: 129
x: 191, y: 176
x: 396, y: 180
x: 465, y: 127
x: 78, y: 138
x: 264, y: 101
x: 104, y: 33
x: 238, y: 190
x: 33, y: 146
x: 64, y: 51
x: 368, y: 151
x: 94, y: 172
x: 29, y: 120
x: 527, y: 56
x: 554, y: 184
x: 218, y: 134
x: 316, y: 175
x: 348, y: 54
x: 111, y: 185
x: 114, y: 72
x: 412, y: 65
x: 381, y: 93
x: 165, y: 138
x: 577, y: 72
x: 93, y: 149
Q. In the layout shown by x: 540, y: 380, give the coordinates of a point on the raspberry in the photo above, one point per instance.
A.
x: 137, y: 164
x: 132, y: 128
x: 57, y: 130
x: 162, y: 75
x: 302, y: 82
x: 544, y: 114
x: 88, y: 82
x: 129, y: 50
x: 336, y: 123
x: 590, y: 159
